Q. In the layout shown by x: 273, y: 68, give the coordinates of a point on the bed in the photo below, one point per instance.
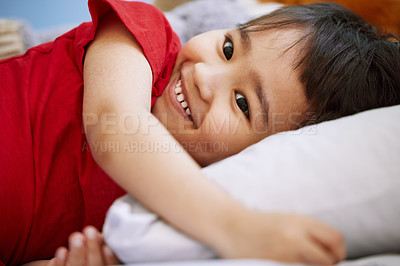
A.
x: 378, y: 260
x: 345, y: 172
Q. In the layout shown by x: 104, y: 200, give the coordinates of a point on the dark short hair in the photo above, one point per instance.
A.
x: 345, y: 64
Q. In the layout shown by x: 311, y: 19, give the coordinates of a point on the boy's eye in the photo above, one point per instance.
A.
x: 242, y: 103
x: 228, y: 48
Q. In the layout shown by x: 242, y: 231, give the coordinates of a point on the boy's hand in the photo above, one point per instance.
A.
x: 283, y: 237
x: 87, y: 249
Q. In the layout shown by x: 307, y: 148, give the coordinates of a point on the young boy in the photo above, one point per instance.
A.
x: 231, y: 86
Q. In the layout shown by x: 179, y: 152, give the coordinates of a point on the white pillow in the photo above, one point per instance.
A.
x: 344, y: 172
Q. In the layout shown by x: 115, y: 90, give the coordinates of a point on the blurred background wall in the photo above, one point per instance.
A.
x: 41, y: 14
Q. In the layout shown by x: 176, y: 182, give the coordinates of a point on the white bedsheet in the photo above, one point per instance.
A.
x: 379, y: 260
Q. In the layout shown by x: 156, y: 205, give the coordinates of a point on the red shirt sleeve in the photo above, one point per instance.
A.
x: 151, y: 29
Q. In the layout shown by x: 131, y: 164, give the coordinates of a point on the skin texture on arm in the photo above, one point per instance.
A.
x: 118, y: 82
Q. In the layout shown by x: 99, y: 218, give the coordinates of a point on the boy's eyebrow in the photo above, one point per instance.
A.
x: 245, y: 40
x: 264, y: 105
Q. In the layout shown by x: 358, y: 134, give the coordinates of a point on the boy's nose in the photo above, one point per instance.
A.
x: 209, y: 80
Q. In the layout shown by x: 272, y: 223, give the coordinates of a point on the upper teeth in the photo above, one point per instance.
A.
x: 181, y: 98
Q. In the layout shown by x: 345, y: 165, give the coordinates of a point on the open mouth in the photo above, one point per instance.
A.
x: 181, y: 99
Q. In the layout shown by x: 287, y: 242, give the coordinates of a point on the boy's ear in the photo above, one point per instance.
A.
x: 167, y: 5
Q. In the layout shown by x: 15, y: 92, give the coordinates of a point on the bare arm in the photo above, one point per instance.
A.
x: 118, y: 81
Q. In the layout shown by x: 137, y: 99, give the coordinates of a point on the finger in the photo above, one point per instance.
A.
x: 76, y: 250
x: 60, y: 258
x: 101, y: 238
x: 313, y: 253
x: 52, y: 262
x: 331, y: 239
x: 109, y: 256
x: 94, y: 253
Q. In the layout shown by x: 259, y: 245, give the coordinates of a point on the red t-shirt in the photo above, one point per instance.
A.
x: 50, y: 185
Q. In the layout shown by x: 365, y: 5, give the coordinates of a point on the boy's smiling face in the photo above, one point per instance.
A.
x: 237, y: 90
